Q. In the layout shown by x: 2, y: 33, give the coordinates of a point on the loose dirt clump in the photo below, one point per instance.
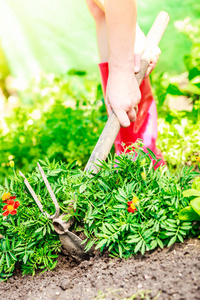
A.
x: 171, y: 273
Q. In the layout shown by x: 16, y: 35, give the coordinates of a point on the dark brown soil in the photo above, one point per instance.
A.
x: 171, y: 273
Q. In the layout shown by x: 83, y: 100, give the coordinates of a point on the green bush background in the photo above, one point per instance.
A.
x: 62, y: 116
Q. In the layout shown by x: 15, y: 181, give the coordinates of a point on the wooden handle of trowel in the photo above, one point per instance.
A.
x: 112, y: 127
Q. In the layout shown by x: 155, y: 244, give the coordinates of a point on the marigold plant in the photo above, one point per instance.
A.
x: 99, y: 209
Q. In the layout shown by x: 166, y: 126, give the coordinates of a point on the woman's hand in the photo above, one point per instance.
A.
x: 140, y: 41
x: 123, y: 95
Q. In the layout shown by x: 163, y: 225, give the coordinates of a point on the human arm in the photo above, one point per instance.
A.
x: 98, y: 13
x: 123, y: 92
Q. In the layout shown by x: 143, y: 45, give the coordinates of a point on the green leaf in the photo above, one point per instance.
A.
x: 171, y: 221
x: 191, y: 192
x: 31, y: 245
x: 182, y: 232
x: 2, y: 259
x: 7, y: 260
x: 89, y: 212
x: 25, y: 258
x: 53, y: 265
x: 120, y: 250
x: 172, y: 241
x: 104, y: 185
x: 7, y: 243
x: 105, y: 230
x: 110, y: 227
x: 152, y: 154
x: 174, y: 90
x: 188, y: 214
x: 143, y: 248
x: 138, y: 246
x: 169, y: 233
x: 134, y: 240
x: 147, y: 233
x: 39, y: 229
x: 193, y: 89
x: 19, y: 249
x: 13, y: 256
x: 121, y: 199
x: 193, y: 72
x: 187, y: 224
x: 160, y: 243
x: 49, y: 229
x: 44, y: 231
x: 195, y: 203
x: 89, y: 245
x: 157, y: 226
x: 180, y: 238
x: 6, y: 184
x: 122, y: 193
x: 153, y: 244
x: 101, y: 243
x: 82, y: 188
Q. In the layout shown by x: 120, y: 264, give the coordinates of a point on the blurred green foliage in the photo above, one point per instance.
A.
x: 62, y: 121
x: 179, y: 130
x: 61, y: 117
x: 4, y: 71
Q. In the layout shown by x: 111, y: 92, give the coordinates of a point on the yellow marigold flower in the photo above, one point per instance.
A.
x: 6, y: 196
x: 12, y: 164
x: 144, y: 177
x: 198, y: 159
x: 135, y: 200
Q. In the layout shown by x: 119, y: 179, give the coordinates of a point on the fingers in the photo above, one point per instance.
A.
x: 125, y: 118
x: 150, y: 69
x: 123, y: 95
x: 132, y: 115
x: 155, y: 53
x: 122, y: 117
x: 154, y: 56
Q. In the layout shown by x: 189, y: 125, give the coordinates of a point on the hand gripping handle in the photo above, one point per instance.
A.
x: 112, y: 127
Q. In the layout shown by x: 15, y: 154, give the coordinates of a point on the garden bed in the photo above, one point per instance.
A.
x: 170, y: 273
x: 125, y: 209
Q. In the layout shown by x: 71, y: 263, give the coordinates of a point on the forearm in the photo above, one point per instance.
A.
x: 101, y: 32
x: 122, y: 92
x: 121, y: 26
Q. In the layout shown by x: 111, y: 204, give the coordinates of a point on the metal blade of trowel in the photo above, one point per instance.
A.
x: 69, y: 240
x: 73, y: 244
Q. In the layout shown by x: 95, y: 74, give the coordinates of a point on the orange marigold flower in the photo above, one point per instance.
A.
x: 131, y: 207
x: 6, y: 196
x: 198, y: 159
x: 10, y: 208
